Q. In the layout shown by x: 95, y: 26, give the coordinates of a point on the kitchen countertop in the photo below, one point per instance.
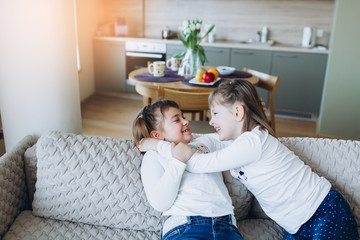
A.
x: 226, y: 44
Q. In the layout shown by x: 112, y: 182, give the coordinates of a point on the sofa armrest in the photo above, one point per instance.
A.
x: 13, y: 193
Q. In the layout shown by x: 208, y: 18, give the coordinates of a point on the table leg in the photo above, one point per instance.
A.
x: 146, y: 101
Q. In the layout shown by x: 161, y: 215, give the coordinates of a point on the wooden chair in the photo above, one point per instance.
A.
x: 189, y: 102
x: 269, y: 83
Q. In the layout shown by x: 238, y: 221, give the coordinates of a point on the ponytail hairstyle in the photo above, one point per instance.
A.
x: 230, y: 92
x: 150, y: 118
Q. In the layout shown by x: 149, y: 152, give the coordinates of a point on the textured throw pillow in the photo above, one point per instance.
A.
x: 92, y: 180
x: 241, y: 197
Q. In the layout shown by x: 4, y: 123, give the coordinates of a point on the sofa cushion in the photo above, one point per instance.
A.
x: 260, y: 229
x: 27, y: 226
x: 91, y: 180
x: 256, y: 211
x: 241, y: 197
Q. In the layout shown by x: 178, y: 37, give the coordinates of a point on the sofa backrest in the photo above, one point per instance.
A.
x: 93, y: 180
x: 336, y: 160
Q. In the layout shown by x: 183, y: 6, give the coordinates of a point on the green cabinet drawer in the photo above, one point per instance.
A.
x: 217, y: 56
x: 259, y: 60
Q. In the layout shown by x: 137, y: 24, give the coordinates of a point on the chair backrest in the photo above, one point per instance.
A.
x: 189, y: 101
x: 270, y: 83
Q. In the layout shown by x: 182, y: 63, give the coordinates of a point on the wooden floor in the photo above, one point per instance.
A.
x: 112, y: 116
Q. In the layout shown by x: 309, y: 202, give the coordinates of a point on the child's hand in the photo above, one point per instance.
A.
x: 147, y: 144
x: 182, y: 152
x: 263, y: 104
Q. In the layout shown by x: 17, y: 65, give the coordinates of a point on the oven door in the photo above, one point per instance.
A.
x: 136, y: 60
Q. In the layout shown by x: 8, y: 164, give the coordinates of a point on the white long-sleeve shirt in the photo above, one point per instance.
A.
x: 288, y: 190
x: 174, y: 191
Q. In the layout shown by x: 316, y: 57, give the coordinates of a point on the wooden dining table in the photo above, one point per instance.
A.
x: 153, y: 90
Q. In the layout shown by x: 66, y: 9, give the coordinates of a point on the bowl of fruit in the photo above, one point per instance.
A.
x: 224, y: 70
x: 206, y: 77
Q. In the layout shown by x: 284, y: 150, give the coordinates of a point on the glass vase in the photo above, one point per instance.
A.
x: 190, y: 63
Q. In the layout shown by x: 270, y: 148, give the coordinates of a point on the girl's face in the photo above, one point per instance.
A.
x: 175, y: 128
x: 226, y: 121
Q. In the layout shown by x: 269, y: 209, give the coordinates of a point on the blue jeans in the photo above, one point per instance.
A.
x: 198, y: 227
x: 332, y: 220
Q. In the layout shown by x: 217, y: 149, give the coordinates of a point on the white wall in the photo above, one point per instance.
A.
x: 39, y: 88
x: 340, y: 111
x: 87, y: 20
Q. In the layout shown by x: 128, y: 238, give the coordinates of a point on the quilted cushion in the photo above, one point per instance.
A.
x: 91, y: 180
x: 27, y: 226
x: 240, y: 196
x: 260, y: 229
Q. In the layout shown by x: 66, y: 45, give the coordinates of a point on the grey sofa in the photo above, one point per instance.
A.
x: 66, y: 186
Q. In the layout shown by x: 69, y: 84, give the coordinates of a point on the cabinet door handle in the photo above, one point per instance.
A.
x: 214, y: 51
x: 143, y: 55
x: 285, y: 56
x: 244, y: 53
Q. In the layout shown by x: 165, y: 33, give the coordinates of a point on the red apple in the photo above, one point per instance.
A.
x: 208, y: 77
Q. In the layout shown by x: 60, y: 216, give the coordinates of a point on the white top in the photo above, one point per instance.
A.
x: 174, y: 191
x: 287, y: 189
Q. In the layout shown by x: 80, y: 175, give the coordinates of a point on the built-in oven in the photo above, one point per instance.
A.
x: 139, y: 53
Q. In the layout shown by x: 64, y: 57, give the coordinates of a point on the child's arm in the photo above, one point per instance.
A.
x: 147, y: 144
x: 212, y: 140
x: 241, y: 151
x: 165, y: 148
x: 161, y: 181
x: 245, y: 149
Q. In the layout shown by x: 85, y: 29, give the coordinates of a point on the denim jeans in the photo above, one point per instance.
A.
x: 198, y: 227
x: 332, y: 220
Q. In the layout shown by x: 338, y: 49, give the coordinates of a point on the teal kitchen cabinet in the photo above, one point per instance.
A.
x: 217, y: 56
x: 259, y: 60
x: 301, y: 80
x: 109, y: 65
x: 173, y: 49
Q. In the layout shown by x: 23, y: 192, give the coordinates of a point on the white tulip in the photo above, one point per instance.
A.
x: 198, y: 26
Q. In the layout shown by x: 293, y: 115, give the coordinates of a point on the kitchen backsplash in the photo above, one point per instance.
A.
x: 236, y: 20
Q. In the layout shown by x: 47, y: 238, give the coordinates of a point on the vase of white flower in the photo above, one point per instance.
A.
x: 194, y: 55
x: 190, y: 63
